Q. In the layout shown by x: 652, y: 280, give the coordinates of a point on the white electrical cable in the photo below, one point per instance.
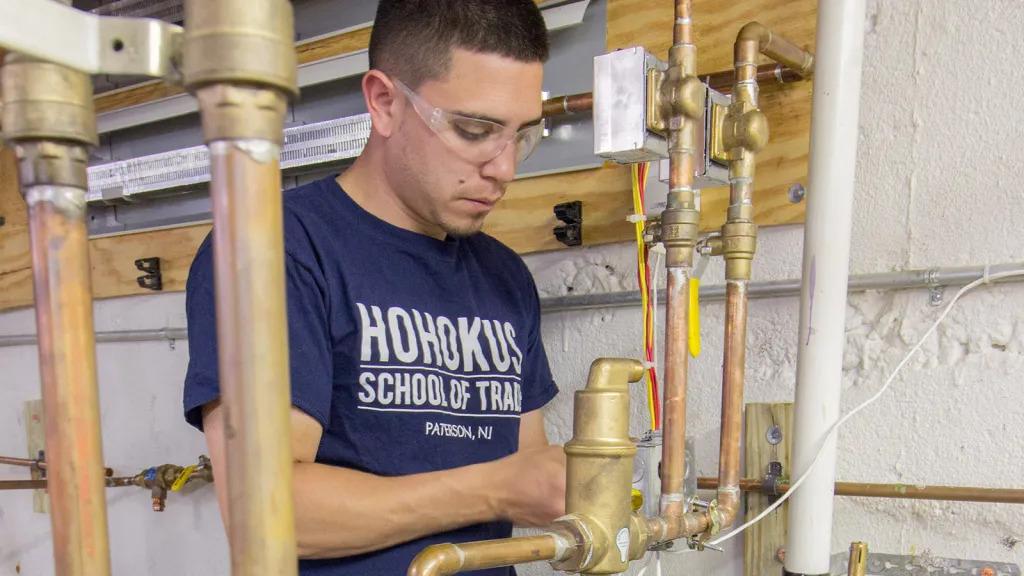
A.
x: 985, y: 279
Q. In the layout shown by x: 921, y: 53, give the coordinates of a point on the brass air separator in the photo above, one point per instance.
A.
x: 48, y: 117
x: 599, y: 468
x: 239, y: 60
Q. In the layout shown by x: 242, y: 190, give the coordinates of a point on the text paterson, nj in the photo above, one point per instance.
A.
x: 413, y: 361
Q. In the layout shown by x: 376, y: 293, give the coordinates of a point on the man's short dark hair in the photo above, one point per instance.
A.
x: 413, y: 39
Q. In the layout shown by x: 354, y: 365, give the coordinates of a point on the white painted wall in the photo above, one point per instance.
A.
x: 937, y: 186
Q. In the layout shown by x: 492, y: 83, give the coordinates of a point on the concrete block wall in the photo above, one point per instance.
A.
x: 937, y: 186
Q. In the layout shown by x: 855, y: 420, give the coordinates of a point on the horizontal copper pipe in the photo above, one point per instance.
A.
x: 721, y: 81
x: 571, y: 104
x: 900, y: 491
x: 767, y: 74
x: 40, y: 464
x: 115, y: 482
x: 22, y: 484
x: 448, y: 559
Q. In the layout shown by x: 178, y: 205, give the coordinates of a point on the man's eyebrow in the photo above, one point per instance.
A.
x: 498, y: 121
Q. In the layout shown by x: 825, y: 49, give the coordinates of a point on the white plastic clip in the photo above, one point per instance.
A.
x: 985, y: 277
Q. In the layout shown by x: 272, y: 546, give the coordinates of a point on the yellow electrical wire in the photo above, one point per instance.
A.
x: 641, y: 274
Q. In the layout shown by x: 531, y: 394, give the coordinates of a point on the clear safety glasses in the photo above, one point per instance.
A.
x: 473, y: 139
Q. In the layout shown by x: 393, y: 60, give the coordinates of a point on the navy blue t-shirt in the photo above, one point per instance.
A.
x: 414, y: 354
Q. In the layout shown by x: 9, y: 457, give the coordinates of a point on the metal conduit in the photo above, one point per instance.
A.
x: 884, y: 281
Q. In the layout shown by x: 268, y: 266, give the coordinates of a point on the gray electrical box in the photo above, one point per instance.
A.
x: 621, y: 130
x: 620, y: 107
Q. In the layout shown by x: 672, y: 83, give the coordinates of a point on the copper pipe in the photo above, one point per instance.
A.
x: 732, y: 398
x: 252, y: 338
x: 113, y: 482
x: 777, y: 48
x: 682, y: 95
x: 40, y: 464
x: 60, y: 261
x: 898, y: 491
x: 722, y: 81
x: 674, y: 406
x: 239, y: 61
x: 447, y: 559
x: 569, y: 104
x: 766, y: 74
x: 682, y: 31
x: 49, y: 118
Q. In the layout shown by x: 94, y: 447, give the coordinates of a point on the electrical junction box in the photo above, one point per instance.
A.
x: 647, y: 472
x: 620, y: 107
x: 623, y: 115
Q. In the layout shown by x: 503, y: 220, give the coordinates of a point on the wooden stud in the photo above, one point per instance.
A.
x: 763, y: 540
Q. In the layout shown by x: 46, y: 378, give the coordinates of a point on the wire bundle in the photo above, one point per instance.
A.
x: 639, y: 173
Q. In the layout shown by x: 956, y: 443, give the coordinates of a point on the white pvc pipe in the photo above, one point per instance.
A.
x: 834, y: 123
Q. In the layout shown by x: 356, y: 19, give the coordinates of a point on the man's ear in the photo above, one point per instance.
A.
x: 379, y: 93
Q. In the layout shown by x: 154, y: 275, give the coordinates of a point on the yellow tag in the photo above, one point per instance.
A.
x: 694, y: 327
x: 637, y: 499
x: 182, y: 478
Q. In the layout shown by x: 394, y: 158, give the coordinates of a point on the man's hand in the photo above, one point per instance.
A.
x: 530, y: 486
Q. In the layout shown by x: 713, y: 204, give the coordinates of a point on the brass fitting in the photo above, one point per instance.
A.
x: 239, y: 60
x: 858, y: 563
x: 48, y: 116
x: 739, y: 242
x: 233, y: 112
x: 679, y: 233
x: 599, y: 469
x: 744, y: 127
x: 241, y: 42
x: 45, y: 101
x: 681, y: 94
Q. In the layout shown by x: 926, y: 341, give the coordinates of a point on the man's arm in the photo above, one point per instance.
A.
x: 531, y: 431
x: 342, y: 512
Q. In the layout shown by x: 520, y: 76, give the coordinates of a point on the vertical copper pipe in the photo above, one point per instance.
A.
x: 48, y: 116
x: 67, y: 367
x: 682, y: 31
x: 252, y: 336
x: 683, y: 97
x: 674, y: 407
x: 238, y: 58
x: 732, y: 396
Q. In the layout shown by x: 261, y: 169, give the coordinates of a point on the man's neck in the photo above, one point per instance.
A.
x: 367, y: 185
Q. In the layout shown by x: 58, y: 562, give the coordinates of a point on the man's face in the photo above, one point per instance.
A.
x: 439, y: 187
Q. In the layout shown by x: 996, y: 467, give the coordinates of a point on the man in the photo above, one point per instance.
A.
x: 417, y: 369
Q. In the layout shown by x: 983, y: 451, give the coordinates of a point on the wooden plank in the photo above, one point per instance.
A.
x: 35, y: 432
x: 764, y: 539
x: 112, y: 260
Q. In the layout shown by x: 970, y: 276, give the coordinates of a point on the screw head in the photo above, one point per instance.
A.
x: 797, y: 193
x: 773, y: 434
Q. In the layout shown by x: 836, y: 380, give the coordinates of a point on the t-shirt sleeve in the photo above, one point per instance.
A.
x: 538, y: 384
x: 308, y: 339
